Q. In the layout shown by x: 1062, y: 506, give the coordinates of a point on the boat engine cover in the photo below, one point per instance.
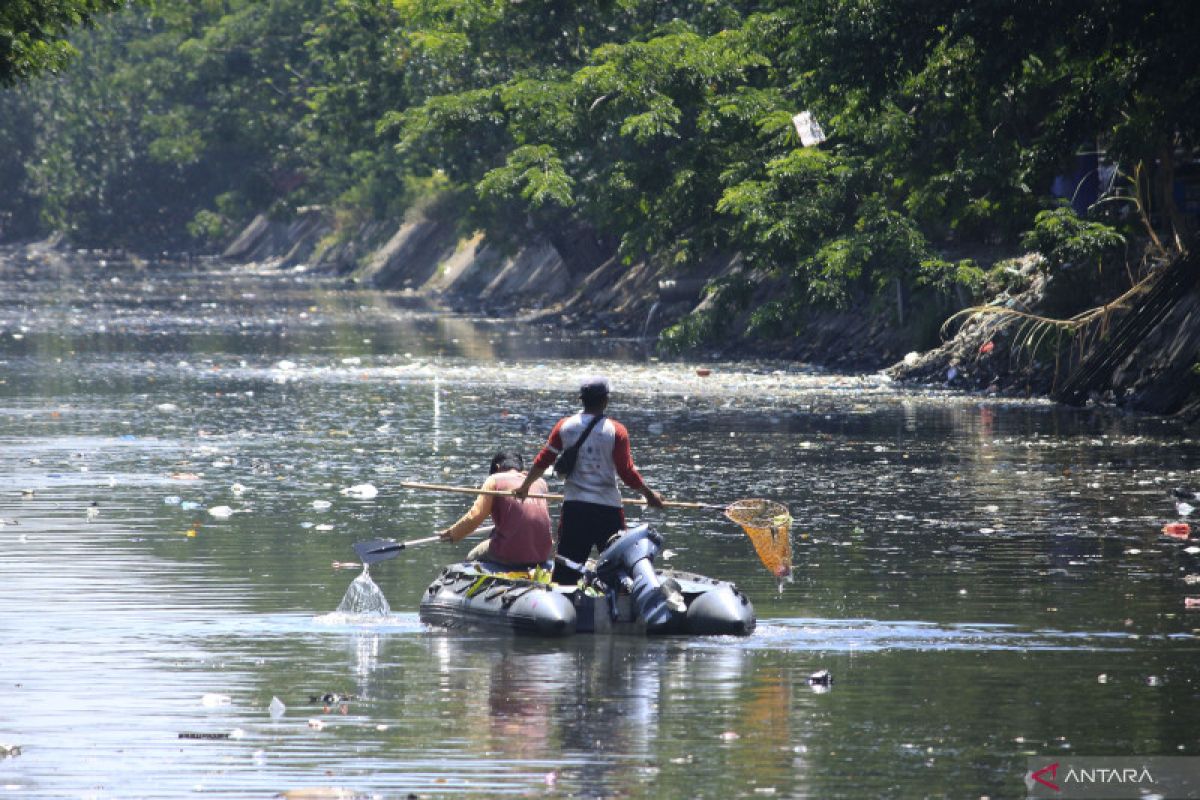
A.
x: 631, y: 555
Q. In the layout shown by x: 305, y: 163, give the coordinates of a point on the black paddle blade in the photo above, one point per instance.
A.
x: 376, y: 550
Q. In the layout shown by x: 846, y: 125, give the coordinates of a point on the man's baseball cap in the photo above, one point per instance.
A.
x: 594, y: 386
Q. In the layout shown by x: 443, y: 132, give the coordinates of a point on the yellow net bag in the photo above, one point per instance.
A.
x: 769, y: 526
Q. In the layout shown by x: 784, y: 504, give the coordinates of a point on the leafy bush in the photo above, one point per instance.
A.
x: 1062, y: 237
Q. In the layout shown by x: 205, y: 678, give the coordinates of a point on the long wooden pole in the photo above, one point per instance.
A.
x: 629, y: 501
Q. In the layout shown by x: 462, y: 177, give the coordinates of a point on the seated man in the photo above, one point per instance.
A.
x: 521, y: 537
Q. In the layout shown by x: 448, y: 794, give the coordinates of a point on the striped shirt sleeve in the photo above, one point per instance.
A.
x: 623, y: 459
x: 554, y: 446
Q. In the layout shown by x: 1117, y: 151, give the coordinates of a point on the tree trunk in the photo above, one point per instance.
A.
x: 1172, y: 219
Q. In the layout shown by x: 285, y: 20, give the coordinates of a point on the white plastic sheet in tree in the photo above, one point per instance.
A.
x: 808, y: 129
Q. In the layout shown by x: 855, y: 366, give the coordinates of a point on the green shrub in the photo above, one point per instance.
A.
x: 1062, y: 237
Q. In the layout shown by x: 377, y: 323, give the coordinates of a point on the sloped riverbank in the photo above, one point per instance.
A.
x: 576, y: 283
x: 571, y: 284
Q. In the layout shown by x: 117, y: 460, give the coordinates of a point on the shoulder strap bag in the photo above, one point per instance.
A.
x: 565, y: 464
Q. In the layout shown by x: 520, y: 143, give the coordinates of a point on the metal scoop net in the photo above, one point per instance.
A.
x: 769, y: 527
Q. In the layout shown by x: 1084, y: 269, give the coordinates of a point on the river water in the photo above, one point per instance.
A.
x: 985, y: 579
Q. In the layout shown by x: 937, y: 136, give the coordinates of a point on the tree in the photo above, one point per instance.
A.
x: 663, y: 128
x: 33, y: 34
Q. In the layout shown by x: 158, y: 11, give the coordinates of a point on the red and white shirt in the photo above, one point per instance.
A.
x: 604, y: 457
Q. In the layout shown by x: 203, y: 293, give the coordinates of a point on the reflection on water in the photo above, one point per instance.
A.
x: 984, y: 579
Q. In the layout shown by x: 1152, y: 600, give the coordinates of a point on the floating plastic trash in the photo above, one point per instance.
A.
x: 324, y: 526
x: 1183, y: 508
x: 331, y: 698
x: 166, y: 408
x: 237, y: 489
x: 221, y: 512
x: 277, y: 708
x: 321, y: 793
x: 821, y: 677
x: 189, y: 505
x: 1179, y: 530
x: 361, y: 491
x: 205, y: 735
x: 316, y: 724
x: 321, y: 505
x: 9, y: 750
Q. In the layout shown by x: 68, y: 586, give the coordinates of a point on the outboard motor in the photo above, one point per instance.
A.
x: 628, y: 561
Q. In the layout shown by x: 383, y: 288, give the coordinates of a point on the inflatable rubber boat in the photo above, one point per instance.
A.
x: 622, y: 593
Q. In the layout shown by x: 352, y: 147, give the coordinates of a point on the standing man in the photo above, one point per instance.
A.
x: 592, y: 510
x: 521, y: 537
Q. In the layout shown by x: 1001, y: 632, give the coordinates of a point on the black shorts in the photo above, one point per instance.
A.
x: 582, y: 526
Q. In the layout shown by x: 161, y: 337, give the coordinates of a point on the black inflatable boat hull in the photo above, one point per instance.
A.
x: 467, y: 596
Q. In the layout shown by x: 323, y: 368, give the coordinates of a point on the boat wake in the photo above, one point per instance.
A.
x: 868, y: 636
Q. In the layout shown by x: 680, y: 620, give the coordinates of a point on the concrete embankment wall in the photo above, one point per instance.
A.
x: 574, y: 281
x: 429, y: 256
x: 573, y: 284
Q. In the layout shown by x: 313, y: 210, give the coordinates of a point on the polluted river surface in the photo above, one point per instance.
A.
x: 182, y: 463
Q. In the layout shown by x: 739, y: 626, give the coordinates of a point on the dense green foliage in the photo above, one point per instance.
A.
x: 662, y: 131
x: 33, y: 34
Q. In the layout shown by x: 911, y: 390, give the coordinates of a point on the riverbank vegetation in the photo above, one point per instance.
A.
x: 34, y: 35
x: 881, y: 155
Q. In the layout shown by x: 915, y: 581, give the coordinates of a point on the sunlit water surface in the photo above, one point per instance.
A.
x: 985, y: 579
